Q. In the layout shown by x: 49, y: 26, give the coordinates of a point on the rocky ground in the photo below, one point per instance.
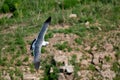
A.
x: 79, y: 62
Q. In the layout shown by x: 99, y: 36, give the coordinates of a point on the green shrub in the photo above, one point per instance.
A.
x: 63, y: 46
x: 11, y: 5
x: 5, y: 8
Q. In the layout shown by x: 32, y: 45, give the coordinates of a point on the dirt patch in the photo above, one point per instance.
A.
x: 59, y: 26
x: 60, y: 38
x: 7, y: 15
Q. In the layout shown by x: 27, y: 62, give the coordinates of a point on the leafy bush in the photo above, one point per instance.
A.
x: 10, y: 5
x: 5, y: 8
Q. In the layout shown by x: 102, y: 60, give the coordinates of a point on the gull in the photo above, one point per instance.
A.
x: 38, y: 43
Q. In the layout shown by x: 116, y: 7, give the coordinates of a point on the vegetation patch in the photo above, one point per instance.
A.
x: 64, y: 46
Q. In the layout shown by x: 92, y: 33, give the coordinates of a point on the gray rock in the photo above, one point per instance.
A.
x: 69, y: 69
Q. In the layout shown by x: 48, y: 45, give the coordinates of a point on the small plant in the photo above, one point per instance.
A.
x: 116, y: 67
x: 91, y: 67
x: 11, y: 73
x: 61, y: 46
x: 117, y: 77
x: 64, y: 46
x: 3, y: 61
x: 12, y: 61
x: 43, y: 50
x: 78, y: 40
x: 18, y: 73
x: 73, y: 60
x: 3, y: 20
x: 48, y: 35
x: 107, y: 58
x: 18, y: 62
x: 31, y: 68
x: 25, y: 59
x: 76, y: 66
x: 117, y: 54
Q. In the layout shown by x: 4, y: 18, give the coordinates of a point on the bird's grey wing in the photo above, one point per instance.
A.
x: 32, y: 46
x: 38, y: 43
x: 37, y: 53
x: 44, y: 29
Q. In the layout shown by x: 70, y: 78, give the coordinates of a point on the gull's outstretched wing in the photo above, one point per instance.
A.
x: 32, y: 46
x: 44, y: 29
x: 38, y: 43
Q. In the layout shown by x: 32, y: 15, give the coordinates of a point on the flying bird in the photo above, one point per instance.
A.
x: 38, y: 43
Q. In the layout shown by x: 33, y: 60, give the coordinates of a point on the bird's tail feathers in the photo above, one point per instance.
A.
x: 37, y: 65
